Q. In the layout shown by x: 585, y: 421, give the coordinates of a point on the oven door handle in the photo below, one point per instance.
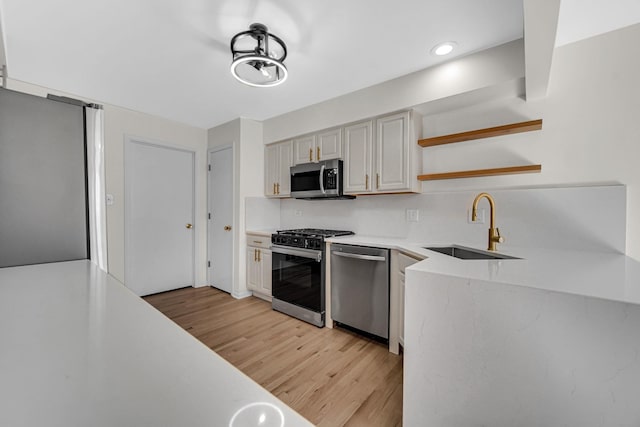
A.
x: 322, y: 180
x: 358, y: 256
x: 304, y: 253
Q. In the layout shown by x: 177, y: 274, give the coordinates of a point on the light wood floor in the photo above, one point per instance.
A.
x: 331, y: 376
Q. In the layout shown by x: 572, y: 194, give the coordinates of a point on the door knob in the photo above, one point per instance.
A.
x: 227, y: 228
x: 189, y: 226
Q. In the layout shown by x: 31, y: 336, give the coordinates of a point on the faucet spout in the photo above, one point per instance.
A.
x: 494, y: 232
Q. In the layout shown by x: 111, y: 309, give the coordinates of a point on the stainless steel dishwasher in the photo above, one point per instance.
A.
x: 360, y: 288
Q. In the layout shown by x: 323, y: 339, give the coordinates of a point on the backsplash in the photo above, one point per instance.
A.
x: 582, y: 218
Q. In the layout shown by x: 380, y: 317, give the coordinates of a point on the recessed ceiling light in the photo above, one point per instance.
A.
x: 443, y: 48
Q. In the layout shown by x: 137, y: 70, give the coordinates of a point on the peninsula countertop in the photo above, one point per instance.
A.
x: 79, y: 349
x: 604, y: 275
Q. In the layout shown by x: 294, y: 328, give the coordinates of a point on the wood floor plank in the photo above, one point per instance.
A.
x: 333, y: 377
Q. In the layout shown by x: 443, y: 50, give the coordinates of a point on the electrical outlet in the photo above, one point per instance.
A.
x: 297, y: 212
x: 412, y: 215
x: 479, y: 219
x: 109, y: 199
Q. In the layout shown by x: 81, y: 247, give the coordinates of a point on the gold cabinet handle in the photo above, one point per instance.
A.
x: 274, y: 188
x: 259, y: 255
x: 310, y: 154
x: 318, y: 153
x: 278, y: 188
x: 377, y: 181
x: 227, y: 228
x: 189, y: 226
x: 255, y: 255
x: 366, y: 182
x: 259, y: 242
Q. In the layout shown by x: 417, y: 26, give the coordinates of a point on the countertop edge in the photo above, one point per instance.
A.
x: 601, y: 275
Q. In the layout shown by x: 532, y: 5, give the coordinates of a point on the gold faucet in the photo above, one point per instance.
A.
x: 494, y: 232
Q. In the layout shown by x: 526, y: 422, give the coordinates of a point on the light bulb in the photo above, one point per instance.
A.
x: 443, y: 48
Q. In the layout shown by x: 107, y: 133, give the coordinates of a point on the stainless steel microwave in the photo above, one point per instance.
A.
x: 322, y: 180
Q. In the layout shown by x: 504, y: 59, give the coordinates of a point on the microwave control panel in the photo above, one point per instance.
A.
x: 331, y: 179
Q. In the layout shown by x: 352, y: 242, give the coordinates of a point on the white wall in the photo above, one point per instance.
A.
x: 474, y: 72
x: 589, y: 133
x: 119, y: 122
x: 248, y: 151
x: 3, y: 51
x: 576, y: 218
x: 589, y: 130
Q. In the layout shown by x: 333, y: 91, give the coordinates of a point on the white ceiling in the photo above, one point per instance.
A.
x: 171, y: 58
x: 580, y: 19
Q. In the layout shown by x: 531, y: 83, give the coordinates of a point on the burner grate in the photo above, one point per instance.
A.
x: 316, y: 232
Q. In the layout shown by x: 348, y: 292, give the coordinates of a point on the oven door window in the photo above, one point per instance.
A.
x: 306, y: 181
x: 297, y: 280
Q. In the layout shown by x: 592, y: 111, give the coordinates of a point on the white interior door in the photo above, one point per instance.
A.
x: 221, y: 219
x: 159, y: 214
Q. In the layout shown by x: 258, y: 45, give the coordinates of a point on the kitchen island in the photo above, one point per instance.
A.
x: 79, y: 349
x: 550, y: 339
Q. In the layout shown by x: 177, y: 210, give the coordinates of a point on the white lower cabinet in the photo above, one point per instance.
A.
x: 265, y: 271
x: 401, y: 310
x: 259, y: 265
x: 399, y: 262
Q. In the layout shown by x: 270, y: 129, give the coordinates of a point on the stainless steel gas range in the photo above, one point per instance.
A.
x: 298, y: 270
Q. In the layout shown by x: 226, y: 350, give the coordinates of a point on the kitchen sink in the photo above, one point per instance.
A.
x: 467, y: 253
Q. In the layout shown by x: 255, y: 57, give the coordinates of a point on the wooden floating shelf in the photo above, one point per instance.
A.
x: 482, y: 133
x: 511, y: 170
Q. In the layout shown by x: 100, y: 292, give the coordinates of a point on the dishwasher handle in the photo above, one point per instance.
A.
x: 358, y: 256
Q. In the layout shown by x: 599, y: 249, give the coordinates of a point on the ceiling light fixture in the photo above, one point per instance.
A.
x: 258, y: 57
x: 443, y: 48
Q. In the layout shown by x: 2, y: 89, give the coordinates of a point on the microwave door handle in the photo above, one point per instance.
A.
x: 322, y: 180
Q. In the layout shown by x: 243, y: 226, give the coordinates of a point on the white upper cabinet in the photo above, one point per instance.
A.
x: 285, y: 161
x: 319, y: 146
x: 358, y: 142
x: 278, y: 160
x: 392, y: 153
x: 329, y: 145
x: 383, y: 155
x: 304, y: 149
x: 271, y: 171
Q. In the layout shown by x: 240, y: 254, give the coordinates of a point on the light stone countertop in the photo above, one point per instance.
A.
x: 80, y: 349
x: 609, y: 276
x: 263, y: 232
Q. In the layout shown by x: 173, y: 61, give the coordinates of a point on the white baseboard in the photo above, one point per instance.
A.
x: 240, y: 295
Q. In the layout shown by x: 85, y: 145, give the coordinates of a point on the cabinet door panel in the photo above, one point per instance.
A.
x: 329, y: 145
x: 265, y: 261
x: 303, y: 149
x: 401, y: 314
x: 285, y: 157
x: 357, y: 158
x: 392, y: 154
x: 271, y: 171
x: 253, y: 270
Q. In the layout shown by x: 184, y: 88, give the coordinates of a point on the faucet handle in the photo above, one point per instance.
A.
x: 499, y: 238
